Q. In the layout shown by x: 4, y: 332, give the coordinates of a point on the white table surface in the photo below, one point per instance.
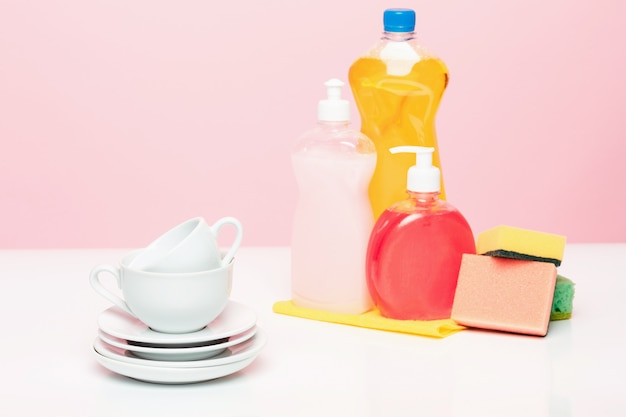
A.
x: 310, y: 368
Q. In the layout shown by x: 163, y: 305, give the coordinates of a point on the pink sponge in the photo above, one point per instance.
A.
x: 504, y: 294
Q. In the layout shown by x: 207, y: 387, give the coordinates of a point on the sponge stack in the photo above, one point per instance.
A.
x: 516, y: 243
x: 509, y: 285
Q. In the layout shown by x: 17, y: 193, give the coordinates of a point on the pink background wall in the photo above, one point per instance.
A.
x: 120, y: 119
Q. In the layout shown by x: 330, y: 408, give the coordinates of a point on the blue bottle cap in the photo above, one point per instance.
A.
x: 399, y: 20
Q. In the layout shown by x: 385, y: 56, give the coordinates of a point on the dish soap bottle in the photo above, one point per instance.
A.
x: 415, y: 249
x: 397, y: 87
x: 333, y: 166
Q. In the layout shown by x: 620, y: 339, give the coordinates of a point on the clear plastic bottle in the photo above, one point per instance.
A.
x: 397, y: 87
x: 415, y: 249
x: 333, y: 165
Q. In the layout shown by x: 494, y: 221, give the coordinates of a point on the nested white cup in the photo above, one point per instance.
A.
x: 180, y: 302
x: 189, y: 247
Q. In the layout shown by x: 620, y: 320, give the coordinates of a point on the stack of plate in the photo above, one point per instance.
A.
x: 127, y: 346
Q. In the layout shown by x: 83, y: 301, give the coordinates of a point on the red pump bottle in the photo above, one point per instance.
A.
x: 415, y: 248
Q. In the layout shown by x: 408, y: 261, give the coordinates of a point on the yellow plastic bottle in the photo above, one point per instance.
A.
x: 397, y: 87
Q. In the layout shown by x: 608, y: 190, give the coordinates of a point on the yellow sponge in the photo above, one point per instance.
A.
x: 517, y: 243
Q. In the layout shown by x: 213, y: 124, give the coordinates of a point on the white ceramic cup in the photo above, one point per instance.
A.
x: 189, y: 247
x: 167, y: 302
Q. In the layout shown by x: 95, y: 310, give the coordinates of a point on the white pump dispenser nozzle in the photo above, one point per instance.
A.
x: 422, y: 177
x: 333, y: 109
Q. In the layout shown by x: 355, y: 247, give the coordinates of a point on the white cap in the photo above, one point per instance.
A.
x: 333, y: 109
x: 422, y: 177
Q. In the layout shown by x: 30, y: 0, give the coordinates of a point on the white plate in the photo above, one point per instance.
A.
x: 236, y: 318
x: 175, y: 353
x: 236, y: 353
x: 171, y: 375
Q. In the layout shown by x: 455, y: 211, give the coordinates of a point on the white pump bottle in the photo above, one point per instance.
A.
x: 333, y: 165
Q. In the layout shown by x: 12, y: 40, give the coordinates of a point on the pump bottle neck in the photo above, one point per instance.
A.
x: 333, y: 124
x: 422, y: 197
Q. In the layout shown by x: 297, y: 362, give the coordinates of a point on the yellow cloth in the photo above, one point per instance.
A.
x: 373, y: 320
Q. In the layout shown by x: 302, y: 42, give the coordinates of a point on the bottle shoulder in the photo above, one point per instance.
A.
x: 408, y: 217
x: 399, y: 62
x: 429, y: 207
x: 334, y: 138
x: 405, y: 49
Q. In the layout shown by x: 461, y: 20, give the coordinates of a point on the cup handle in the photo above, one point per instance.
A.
x: 233, y: 248
x: 94, y: 280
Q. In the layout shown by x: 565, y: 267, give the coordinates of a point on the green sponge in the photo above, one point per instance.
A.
x: 517, y: 243
x: 562, y: 303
